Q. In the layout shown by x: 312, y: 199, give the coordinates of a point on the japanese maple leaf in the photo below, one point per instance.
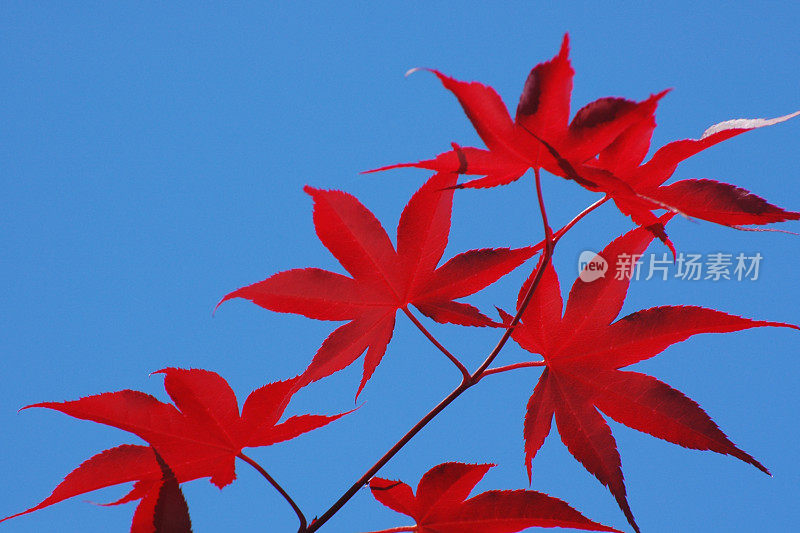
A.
x: 706, y: 199
x: 584, y: 351
x: 384, y: 280
x: 441, y: 504
x: 199, y: 436
x: 163, y: 509
x: 542, y: 113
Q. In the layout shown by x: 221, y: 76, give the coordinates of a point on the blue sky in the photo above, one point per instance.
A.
x: 153, y: 159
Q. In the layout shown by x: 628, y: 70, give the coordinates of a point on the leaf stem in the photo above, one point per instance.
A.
x: 467, y: 382
x: 560, y: 233
x: 363, y: 480
x: 499, y: 369
x: 298, y: 512
x: 549, y: 244
x: 464, y: 372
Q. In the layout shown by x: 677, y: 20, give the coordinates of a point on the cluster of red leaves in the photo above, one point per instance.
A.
x: 602, y: 149
x: 584, y: 349
x: 199, y: 436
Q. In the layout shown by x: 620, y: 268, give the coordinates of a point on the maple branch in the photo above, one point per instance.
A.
x: 464, y: 372
x: 568, y: 226
x: 468, y: 382
x: 551, y: 238
x: 560, y: 233
x: 549, y: 244
x: 298, y: 512
x: 499, y: 369
x: 363, y: 480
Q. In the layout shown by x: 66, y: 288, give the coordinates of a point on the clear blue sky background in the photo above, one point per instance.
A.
x: 153, y: 157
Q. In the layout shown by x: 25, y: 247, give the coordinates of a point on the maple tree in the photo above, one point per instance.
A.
x: 584, y: 347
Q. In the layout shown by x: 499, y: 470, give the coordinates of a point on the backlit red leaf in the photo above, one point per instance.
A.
x: 722, y: 203
x: 384, y: 280
x: 602, y: 149
x: 441, y: 504
x: 199, y: 436
x: 666, y: 159
x: 583, y: 352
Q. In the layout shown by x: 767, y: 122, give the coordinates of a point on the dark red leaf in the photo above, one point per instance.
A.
x: 472, y: 271
x: 441, y: 504
x: 644, y: 403
x: 538, y: 419
x: 545, y: 100
x: 588, y: 438
x: 395, y: 495
x: 114, y: 466
x: 163, y: 509
x: 602, y: 149
x: 722, y: 203
x: 643, y: 334
x: 488, y: 114
x: 143, y: 521
x: 310, y: 292
x: 459, y: 313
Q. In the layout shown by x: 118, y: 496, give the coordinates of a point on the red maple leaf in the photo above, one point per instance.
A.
x: 441, y: 504
x: 384, y: 280
x: 706, y: 199
x: 542, y: 113
x: 584, y: 351
x: 199, y: 436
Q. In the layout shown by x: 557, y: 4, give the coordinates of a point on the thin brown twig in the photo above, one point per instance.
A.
x: 364, y: 479
x: 549, y: 244
x: 445, y: 351
x: 298, y: 512
x: 560, y: 233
